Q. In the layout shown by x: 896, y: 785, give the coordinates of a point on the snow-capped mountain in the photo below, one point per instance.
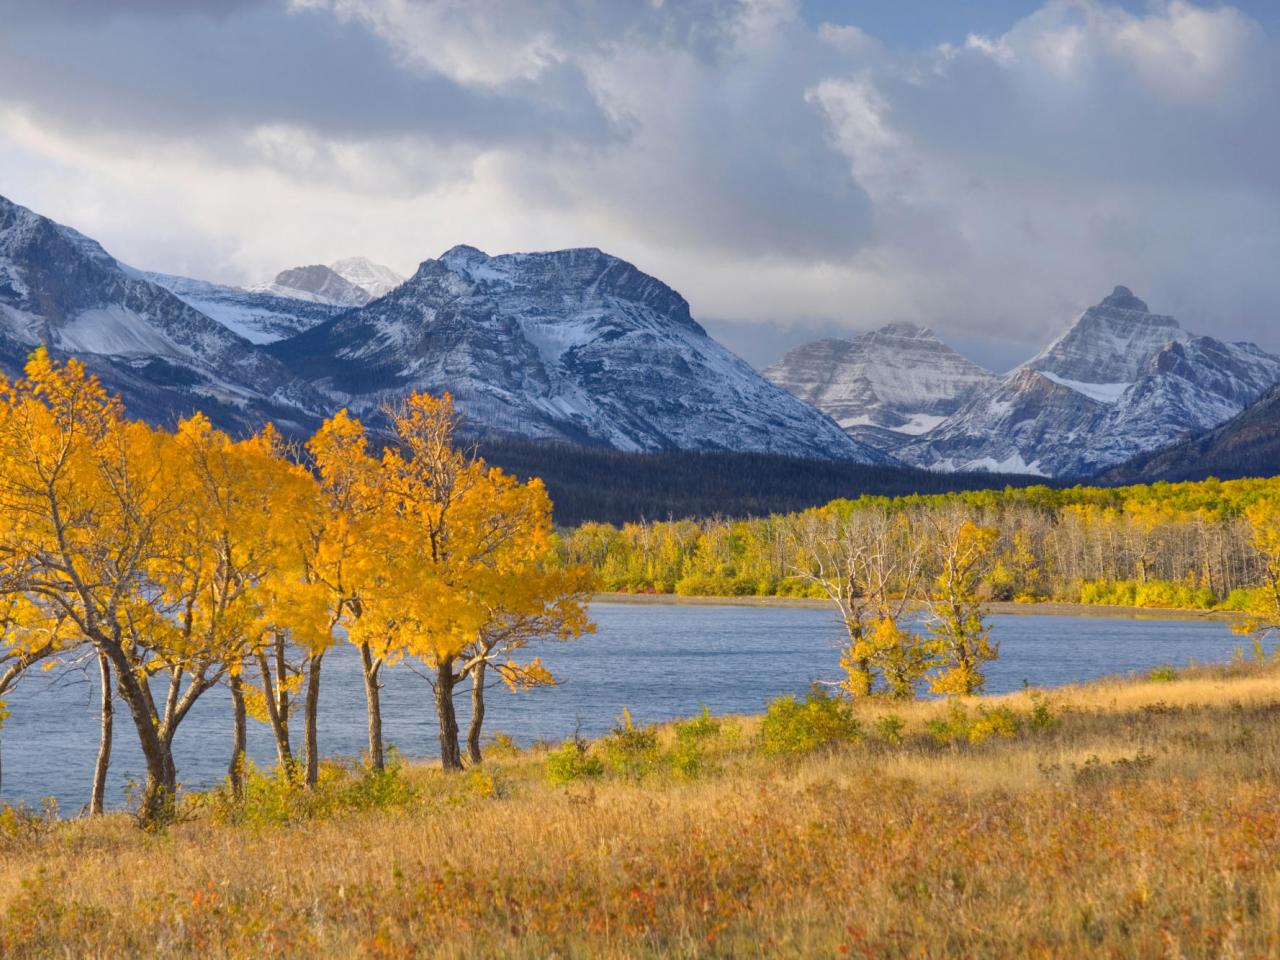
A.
x: 1120, y: 382
x: 317, y: 283
x: 885, y: 387
x: 62, y: 289
x: 373, y: 278
x: 258, y: 317
x: 571, y: 345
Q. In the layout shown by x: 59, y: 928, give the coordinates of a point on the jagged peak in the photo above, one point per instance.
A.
x: 1122, y: 298
x: 905, y: 330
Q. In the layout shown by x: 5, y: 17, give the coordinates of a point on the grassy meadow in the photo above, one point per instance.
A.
x: 1123, y: 818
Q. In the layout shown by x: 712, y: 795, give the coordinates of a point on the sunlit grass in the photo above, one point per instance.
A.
x: 1125, y: 818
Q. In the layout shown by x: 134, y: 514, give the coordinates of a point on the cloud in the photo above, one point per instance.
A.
x: 781, y: 173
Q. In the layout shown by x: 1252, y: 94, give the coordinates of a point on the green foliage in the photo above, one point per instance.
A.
x: 630, y: 750
x: 792, y: 726
x: 959, y: 725
x: 571, y: 761
x: 889, y: 728
x: 1041, y: 719
x: 275, y: 797
x: 697, y: 729
x: 1165, y: 673
x: 1153, y: 594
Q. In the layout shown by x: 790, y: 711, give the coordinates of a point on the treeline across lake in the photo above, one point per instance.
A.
x: 1189, y: 545
x: 613, y: 486
x: 175, y: 561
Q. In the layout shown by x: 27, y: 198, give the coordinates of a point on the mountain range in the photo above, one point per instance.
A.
x: 578, y: 346
x: 572, y: 345
x: 1120, y: 382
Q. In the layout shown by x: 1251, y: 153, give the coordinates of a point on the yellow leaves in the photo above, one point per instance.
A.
x: 525, y: 676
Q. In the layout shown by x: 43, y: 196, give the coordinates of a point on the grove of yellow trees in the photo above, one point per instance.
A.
x: 181, y: 560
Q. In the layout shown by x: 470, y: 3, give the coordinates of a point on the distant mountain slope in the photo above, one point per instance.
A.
x: 166, y: 358
x: 373, y: 278
x: 258, y: 317
x: 885, y: 387
x: 1247, y: 445
x: 1120, y: 382
x: 571, y: 345
x: 317, y: 283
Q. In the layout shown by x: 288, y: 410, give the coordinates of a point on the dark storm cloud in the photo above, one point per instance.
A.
x: 190, y: 76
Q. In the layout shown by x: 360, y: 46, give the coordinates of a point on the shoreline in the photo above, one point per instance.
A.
x: 1045, y: 609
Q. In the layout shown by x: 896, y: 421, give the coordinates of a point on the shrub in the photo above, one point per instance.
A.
x: 702, y: 727
x: 273, y: 797
x: 503, y: 745
x: 792, y: 726
x: 1041, y: 718
x: 631, y: 750
x: 1165, y: 673
x: 570, y: 761
x: 1000, y: 722
x: 889, y: 728
x: 959, y: 727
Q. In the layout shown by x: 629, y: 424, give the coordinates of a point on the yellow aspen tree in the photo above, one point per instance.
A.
x: 963, y: 639
x: 323, y: 599
x: 479, y: 552
x: 84, y: 497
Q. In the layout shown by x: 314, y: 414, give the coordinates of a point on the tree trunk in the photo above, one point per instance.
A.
x: 235, y: 771
x: 477, y: 713
x: 312, y: 709
x: 97, y: 796
x: 374, y: 700
x: 277, y: 702
x: 450, y: 753
x: 158, y: 793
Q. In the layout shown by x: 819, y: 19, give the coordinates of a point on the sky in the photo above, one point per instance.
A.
x: 795, y: 168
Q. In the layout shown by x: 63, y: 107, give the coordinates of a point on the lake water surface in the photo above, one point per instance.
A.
x: 661, y: 661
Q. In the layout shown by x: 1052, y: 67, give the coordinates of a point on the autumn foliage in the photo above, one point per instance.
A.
x: 185, y: 559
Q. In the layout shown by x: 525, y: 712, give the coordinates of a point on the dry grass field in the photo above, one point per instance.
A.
x: 1118, y: 819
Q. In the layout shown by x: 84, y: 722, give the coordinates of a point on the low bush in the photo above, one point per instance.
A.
x: 792, y: 726
x: 571, y: 761
x: 275, y: 796
x: 630, y: 750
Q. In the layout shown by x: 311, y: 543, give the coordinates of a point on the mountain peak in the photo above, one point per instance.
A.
x: 373, y: 278
x: 463, y: 253
x: 1122, y: 298
x: 905, y: 330
x: 320, y: 283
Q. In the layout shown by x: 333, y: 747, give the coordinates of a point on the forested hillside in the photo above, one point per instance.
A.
x: 599, y: 484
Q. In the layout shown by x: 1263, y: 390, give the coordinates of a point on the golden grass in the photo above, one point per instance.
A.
x: 1144, y: 823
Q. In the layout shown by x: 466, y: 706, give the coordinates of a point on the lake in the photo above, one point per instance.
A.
x: 661, y: 661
